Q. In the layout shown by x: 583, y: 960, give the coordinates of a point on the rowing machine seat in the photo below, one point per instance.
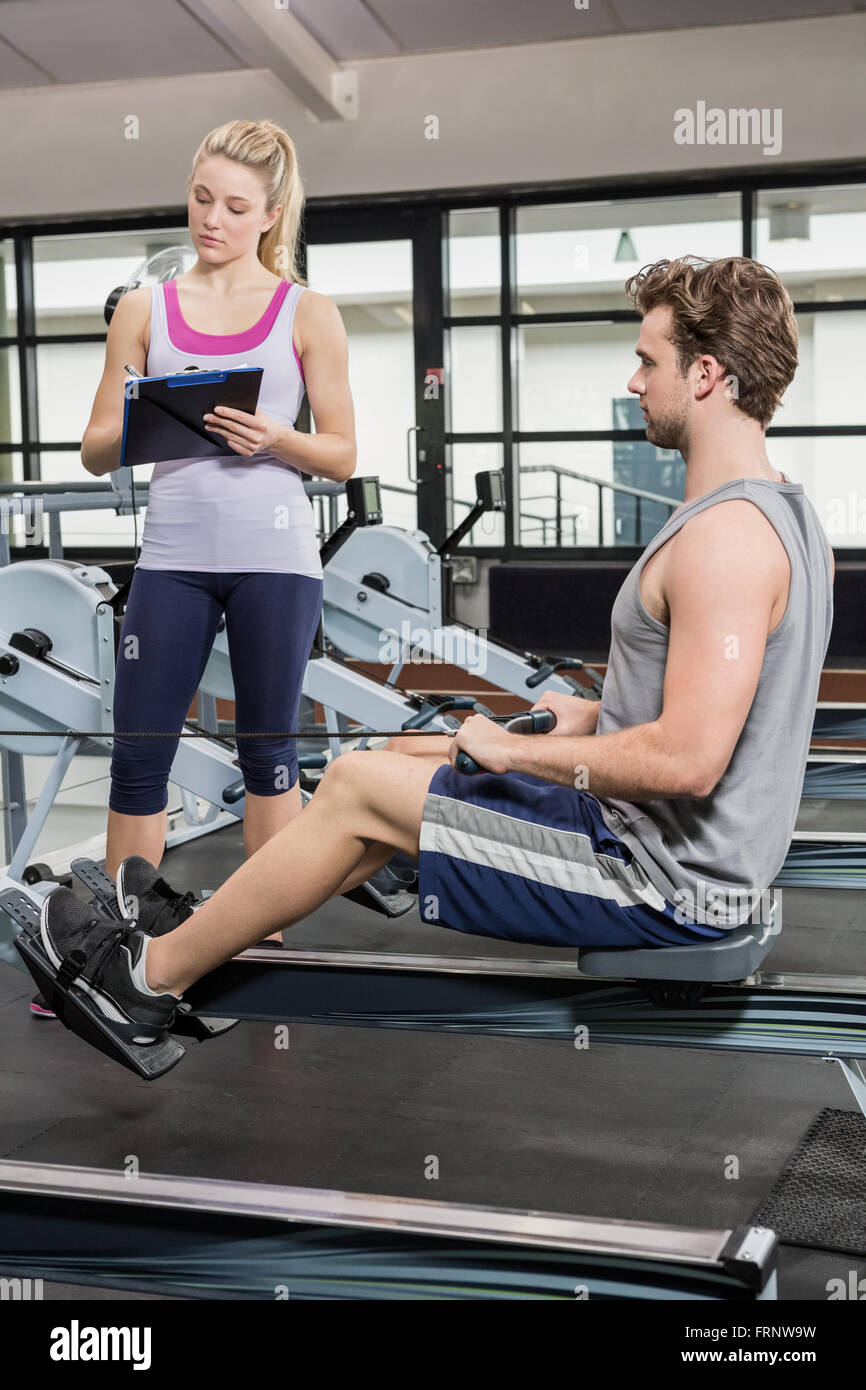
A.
x: 734, y: 956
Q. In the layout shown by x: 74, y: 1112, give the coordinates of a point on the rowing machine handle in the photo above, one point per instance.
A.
x: 532, y: 722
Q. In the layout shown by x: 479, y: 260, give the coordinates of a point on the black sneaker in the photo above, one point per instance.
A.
x: 39, y: 1007
x: 142, y: 894
x: 97, y: 955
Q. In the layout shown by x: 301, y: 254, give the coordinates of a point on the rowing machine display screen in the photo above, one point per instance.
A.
x: 365, y: 501
x: 490, y: 490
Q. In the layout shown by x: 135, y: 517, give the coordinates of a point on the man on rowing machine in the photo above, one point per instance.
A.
x: 643, y: 820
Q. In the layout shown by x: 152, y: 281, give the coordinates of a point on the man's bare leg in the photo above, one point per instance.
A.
x: 377, y: 856
x: 365, y: 800
x: 421, y: 745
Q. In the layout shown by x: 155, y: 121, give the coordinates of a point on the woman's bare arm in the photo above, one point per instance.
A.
x: 100, y: 447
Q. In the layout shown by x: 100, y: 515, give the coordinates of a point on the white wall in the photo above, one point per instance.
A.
x: 588, y: 108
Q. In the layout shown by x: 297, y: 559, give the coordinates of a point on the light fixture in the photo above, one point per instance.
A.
x: 625, y: 250
x: 789, y: 222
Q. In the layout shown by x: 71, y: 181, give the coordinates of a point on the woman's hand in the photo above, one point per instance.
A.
x: 574, y: 715
x: 246, y: 434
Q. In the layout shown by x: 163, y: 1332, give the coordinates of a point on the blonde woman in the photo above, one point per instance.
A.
x: 232, y: 536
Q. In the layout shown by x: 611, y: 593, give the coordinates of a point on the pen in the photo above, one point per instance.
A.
x: 133, y: 372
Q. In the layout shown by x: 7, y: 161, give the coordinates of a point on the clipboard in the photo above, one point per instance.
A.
x: 162, y: 415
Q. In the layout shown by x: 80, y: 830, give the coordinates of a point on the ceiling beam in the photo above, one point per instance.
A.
x: 264, y: 34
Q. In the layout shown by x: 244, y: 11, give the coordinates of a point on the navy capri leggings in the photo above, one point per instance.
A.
x: 271, y: 622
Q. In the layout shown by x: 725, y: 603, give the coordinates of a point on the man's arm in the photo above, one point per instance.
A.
x: 722, y: 580
x: 633, y: 764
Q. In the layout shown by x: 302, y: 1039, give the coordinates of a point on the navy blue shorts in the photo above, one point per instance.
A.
x: 516, y: 857
x: 271, y: 622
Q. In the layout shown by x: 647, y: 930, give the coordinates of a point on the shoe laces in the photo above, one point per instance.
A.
x: 97, y: 958
x: 183, y: 903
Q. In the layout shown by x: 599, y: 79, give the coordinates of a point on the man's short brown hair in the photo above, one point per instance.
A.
x: 735, y: 309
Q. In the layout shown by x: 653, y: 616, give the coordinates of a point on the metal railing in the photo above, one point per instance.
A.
x: 560, y: 519
x: 56, y: 498
x: 458, y: 502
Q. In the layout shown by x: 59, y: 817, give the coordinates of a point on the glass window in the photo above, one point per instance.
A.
x: 474, y: 369
x: 68, y: 375
x: 371, y: 283
x: 568, y: 374
x: 74, y: 275
x: 577, y: 257
x: 473, y: 266
x: 825, y: 389
x: 831, y: 471
x: 465, y: 461
x: 815, y: 239
x: 10, y: 396
x: 8, y: 290
x: 584, y: 494
x: 11, y: 468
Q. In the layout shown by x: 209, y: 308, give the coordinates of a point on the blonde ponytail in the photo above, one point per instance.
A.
x: 267, y: 148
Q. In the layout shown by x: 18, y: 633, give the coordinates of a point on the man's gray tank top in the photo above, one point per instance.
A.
x: 718, y: 854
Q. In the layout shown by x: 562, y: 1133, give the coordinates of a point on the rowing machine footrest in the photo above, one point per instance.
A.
x: 98, y: 883
x: 734, y: 956
x: 188, y: 1025
x: 389, y: 904
x: 104, y: 888
x: 74, y: 1010
x: 401, y: 871
x: 104, y: 891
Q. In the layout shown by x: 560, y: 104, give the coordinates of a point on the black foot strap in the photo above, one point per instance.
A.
x: 76, y: 1011
x: 71, y: 1005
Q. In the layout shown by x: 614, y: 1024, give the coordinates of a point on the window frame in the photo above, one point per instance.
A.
x: 425, y: 216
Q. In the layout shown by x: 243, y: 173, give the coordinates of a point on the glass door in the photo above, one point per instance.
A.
x: 382, y: 273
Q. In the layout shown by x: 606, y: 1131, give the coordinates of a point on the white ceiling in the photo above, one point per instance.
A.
x: 351, y: 29
x: 69, y: 41
x: 47, y: 42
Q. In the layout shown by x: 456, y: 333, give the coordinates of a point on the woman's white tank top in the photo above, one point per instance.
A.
x: 233, y: 514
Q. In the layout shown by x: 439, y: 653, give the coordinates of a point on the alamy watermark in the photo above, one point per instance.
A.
x: 84, y: 1343
x: 20, y: 1290
x: 846, y: 516
x: 453, y: 646
x: 29, y: 511
x: 728, y: 907
x: 737, y: 126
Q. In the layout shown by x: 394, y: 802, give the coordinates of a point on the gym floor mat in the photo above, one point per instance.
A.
x: 819, y: 1199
